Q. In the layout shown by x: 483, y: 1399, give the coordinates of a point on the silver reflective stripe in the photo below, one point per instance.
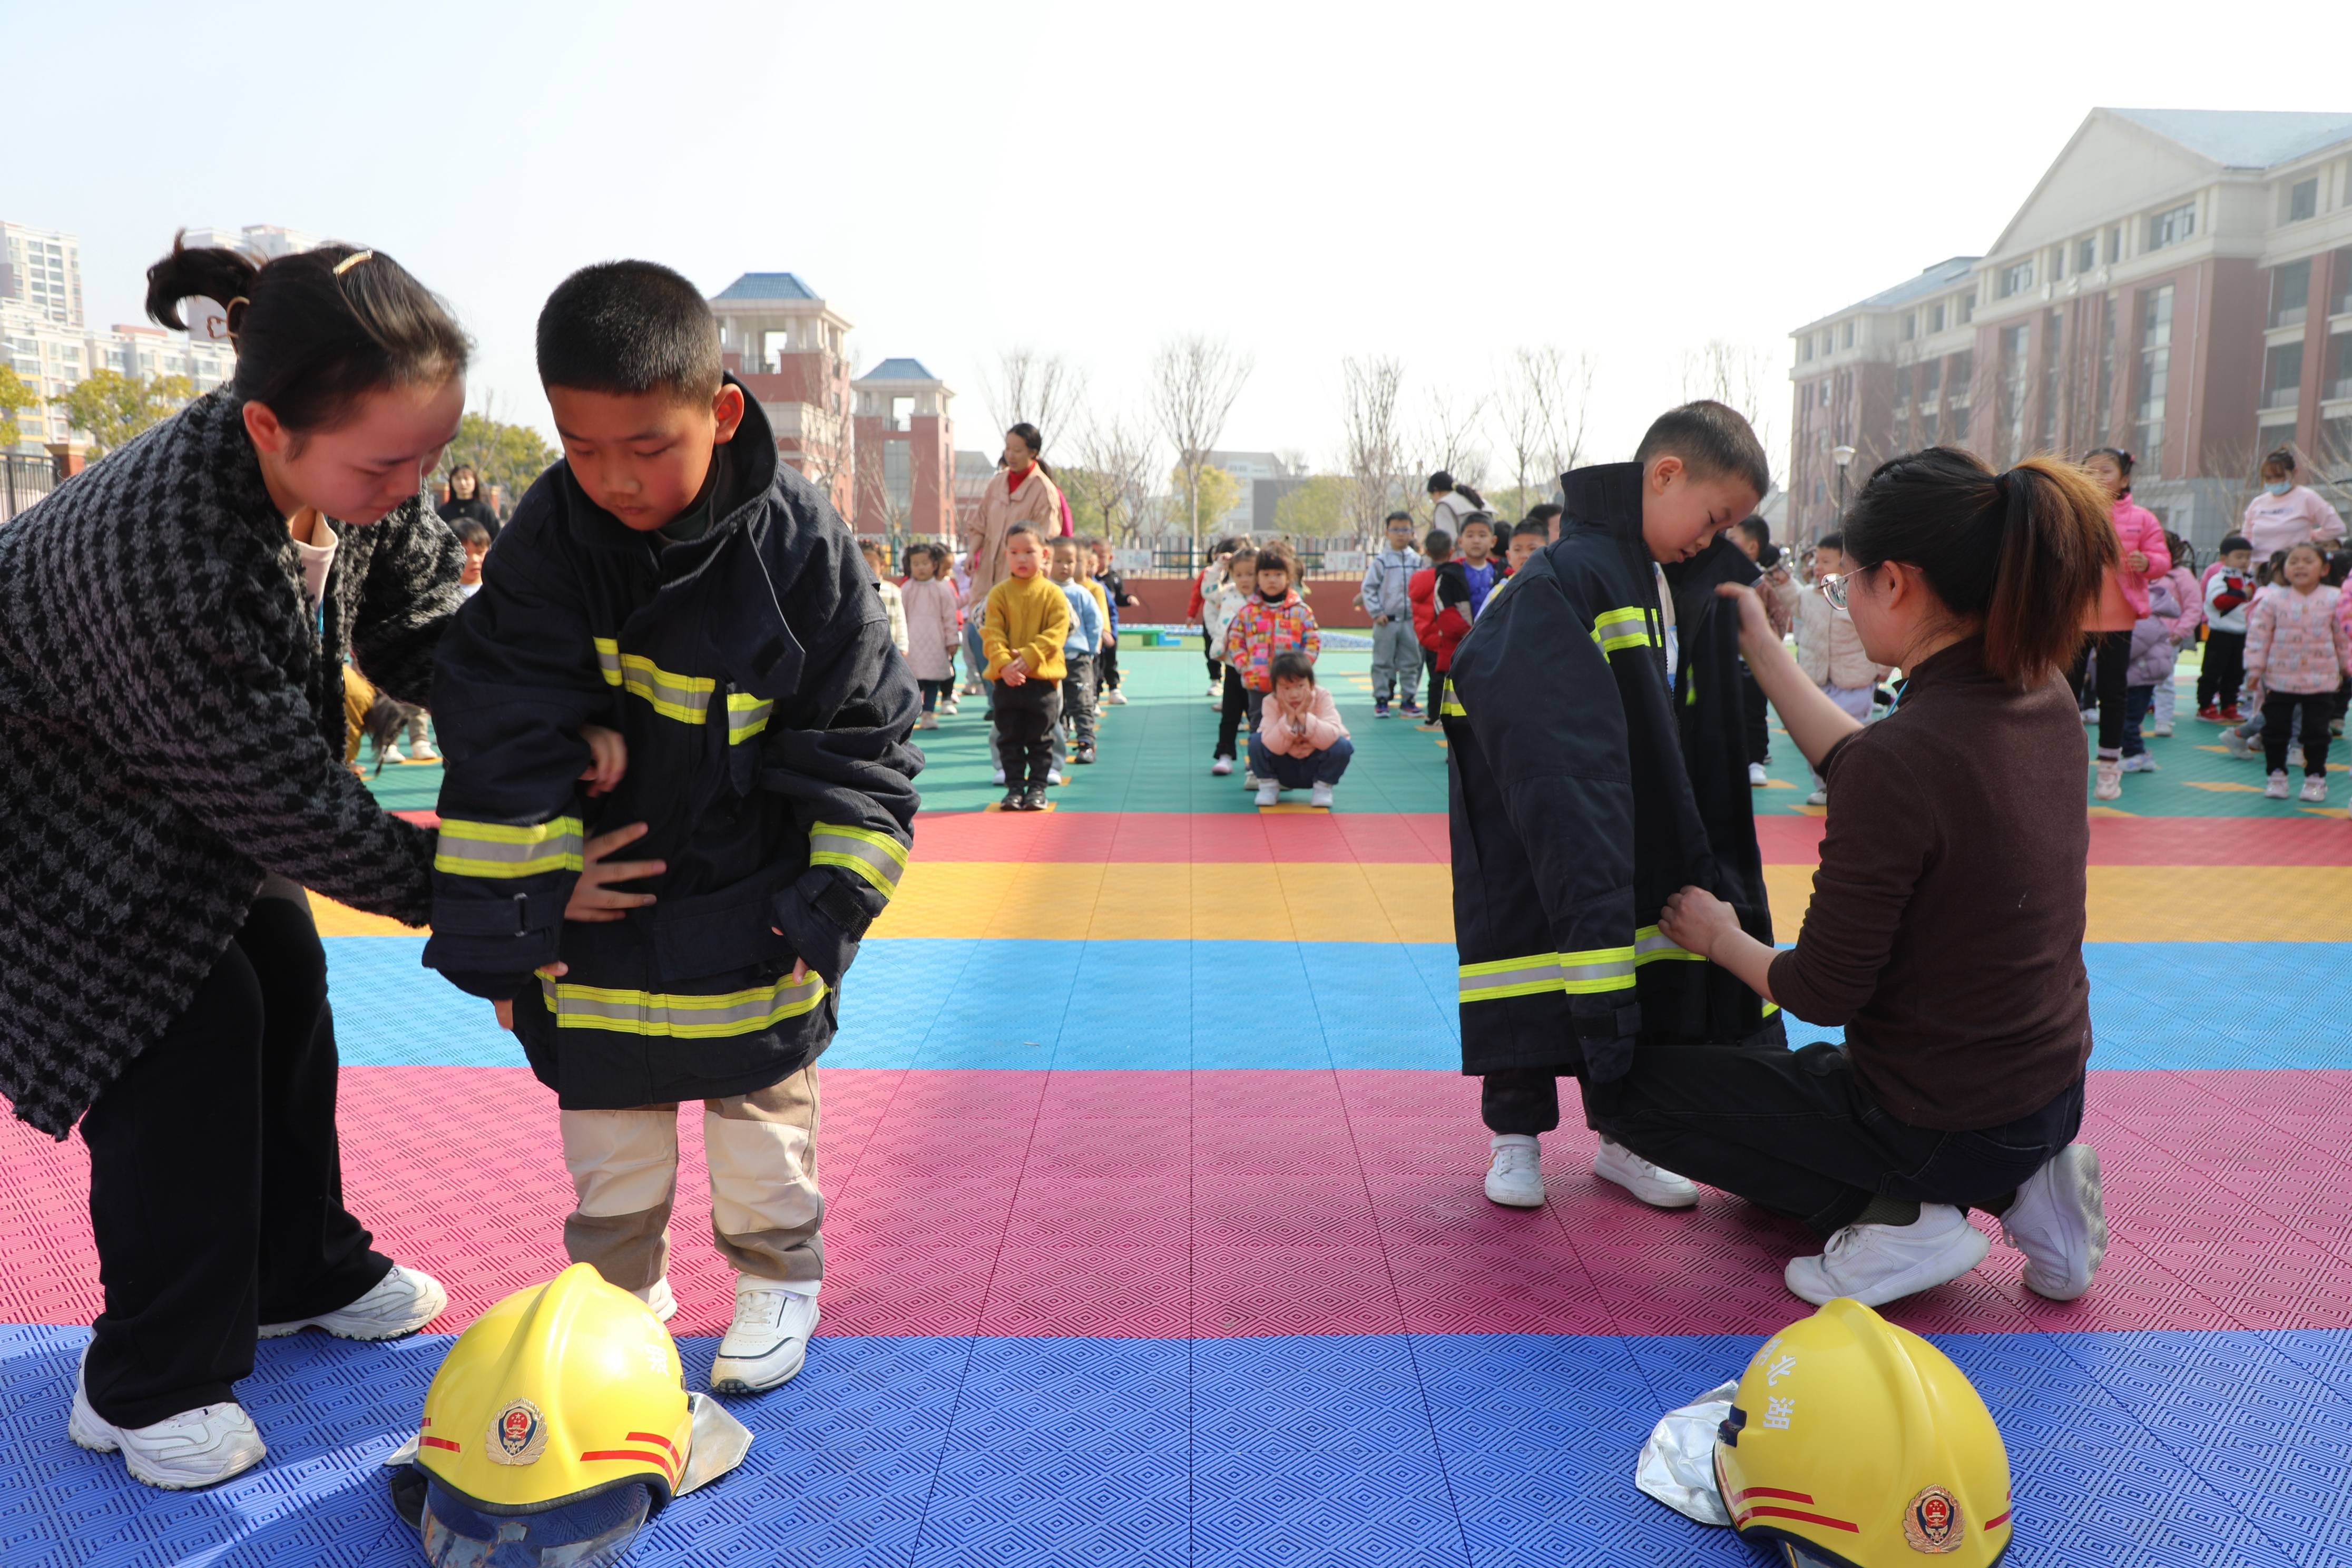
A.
x: 1499, y: 978
x: 508, y: 850
x: 677, y: 1017
x: 685, y: 697
x: 1648, y: 946
x: 876, y: 856
x: 746, y: 716
x: 1608, y: 975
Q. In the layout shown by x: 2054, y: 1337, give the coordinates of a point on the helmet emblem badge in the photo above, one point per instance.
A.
x: 1932, y: 1522
x: 518, y: 1435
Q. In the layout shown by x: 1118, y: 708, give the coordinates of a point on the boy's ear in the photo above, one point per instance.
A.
x: 727, y: 411
x: 1663, y: 471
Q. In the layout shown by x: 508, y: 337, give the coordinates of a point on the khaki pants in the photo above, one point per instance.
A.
x: 765, y: 1208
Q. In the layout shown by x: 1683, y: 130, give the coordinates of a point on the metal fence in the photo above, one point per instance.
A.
x: 23, y: 482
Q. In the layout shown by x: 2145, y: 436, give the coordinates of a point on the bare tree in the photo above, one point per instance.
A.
x: 1740, y: 375
x: 1113, y: 472
x: 1195, y: 380
x: 1541, y: 412
x: 1447, y: 436
x: 1372, y: 446
x: 1039, y: 389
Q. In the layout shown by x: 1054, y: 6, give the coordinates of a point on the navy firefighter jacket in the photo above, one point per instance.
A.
x: 767, y: 717
x: 1585, y: 793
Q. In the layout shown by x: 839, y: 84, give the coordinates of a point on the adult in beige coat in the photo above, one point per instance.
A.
x: 1022, y: 491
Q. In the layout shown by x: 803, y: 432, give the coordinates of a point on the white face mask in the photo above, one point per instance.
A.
x: 2279, y: 486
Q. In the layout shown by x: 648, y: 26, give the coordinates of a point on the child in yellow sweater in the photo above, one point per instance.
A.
x: 1027, y: 620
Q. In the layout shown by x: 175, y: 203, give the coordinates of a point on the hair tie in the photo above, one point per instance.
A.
x: 353, y: 259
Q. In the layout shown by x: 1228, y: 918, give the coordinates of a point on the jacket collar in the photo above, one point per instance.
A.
x: 747, y: 472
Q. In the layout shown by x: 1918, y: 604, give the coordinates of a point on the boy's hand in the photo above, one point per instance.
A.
x: 1016, y: 671
x: 593, y: 898
x: 608, y: 758
x: 800, y: 966
x: 505, y: 1010
x: 1695, y: 920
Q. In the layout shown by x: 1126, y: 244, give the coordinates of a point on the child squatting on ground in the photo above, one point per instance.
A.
x: 1022, y: 636
x: 672, y: 580
x: 1300, y: 742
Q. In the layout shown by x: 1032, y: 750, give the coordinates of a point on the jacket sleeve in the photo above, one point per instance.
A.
x: 2152, y: 545
x: 1545, y: 714
x: 2326, y: 522
x: 1200, y: 591
x: 1425, y: 611
x: 995, y: 634
x: 842, y: 763
x: 1089, y: 628
x: 406, y: 601
x: 1053, y: 633
x: 518, y: 676
x: 2261, y: 619
x: 1314, y: 642
x: 1872, y: 856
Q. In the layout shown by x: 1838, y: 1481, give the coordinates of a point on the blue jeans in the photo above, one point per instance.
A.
x: 1298, y: 772
x: 2137, y: 699
x: 975, y: 661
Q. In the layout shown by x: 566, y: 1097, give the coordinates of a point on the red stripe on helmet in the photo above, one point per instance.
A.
x: 1997, y: 1523
x: 1773, y: 1492
x: 438, y: 1443
x: 1767, y: 1511
x: 655, y: 1437
x: 661, y: 1461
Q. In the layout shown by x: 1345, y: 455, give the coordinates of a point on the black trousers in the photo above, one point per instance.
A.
x: 2224, y: 671
x: 2278, y: 717
x: 1107, y: 667
x: 1796, y: 1133
x: 2113, y: 649
x: 1524, y: 1100
x: 1436, y: 683
x: 216, y: 1182
x: 1214, y: 664
x: 1025, y: 721
x: 1756, y: 710
x: 1234, y: 709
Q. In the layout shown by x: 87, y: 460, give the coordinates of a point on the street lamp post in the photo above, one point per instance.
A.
x: 1843, y: 458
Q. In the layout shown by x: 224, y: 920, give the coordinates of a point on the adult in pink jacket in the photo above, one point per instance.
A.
x: 1300, y: 742
x: 2123, y: 600
x: 1022, y: 491
x: 2286, y: 514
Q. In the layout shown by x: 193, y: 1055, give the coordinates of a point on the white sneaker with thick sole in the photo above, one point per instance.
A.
x: 1216, y: 689
x: 996, y: 776
x: 1250, y: 779
x: 199, y: 1448
x: 1222, y: 766
x: 2109, y: 783
x: 2277, y: 788
x: 660, y: 1297
x: 392, y: 754
x: 1757, y: 777
x: 1821, y: 796
x: 767, y: 1341
x: 423, y: 752
x: 1654, y: 1185
x: 2161, y: 731
x: 1514, y: 1171
x: 2059, y: 1221
x: 2314, y: 788
x: 2141, y: 762
x: 1320, y: 796
x: 2237, y: 745
x: 1052, y: 775
x: 1875, y: 1264
x: 402, y: 1302
x: 1269, y: 792
x: 1117, y: 698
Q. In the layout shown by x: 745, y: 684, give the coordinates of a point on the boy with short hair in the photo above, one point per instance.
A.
x: 2229, y: 589
x: 1464, y: 581
x: 1023, y: 630
x: 672, y: 580
x: 475, y: 541
x: 1526, y: 539
x: 1085, y: 640
x: 1386, y: 598
x: 1604, y: 773
x: 1830, y: 651
x: 1102, y: 572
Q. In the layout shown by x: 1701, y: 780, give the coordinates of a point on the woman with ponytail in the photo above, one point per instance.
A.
x: 174, y: 623
x: 1946, y: 929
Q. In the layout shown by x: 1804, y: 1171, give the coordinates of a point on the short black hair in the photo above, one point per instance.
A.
x: 1831, y: 541
x: 1532, y: 529
x: 1713, y: 440
x: 1768, y: 556
x: 469, y: 532
x: 1437, y: 543
x: 1543, y: 511
x: 1755, y: 527
x: 1404, y: 517
x: 2233, y: 541
x: 1290, y: 664
x: 1478, y: 520
x: 630, y: 328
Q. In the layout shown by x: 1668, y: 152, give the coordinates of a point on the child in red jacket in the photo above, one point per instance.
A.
x: 1422, y: 589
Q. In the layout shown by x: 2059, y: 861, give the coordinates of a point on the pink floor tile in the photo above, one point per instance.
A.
x: 1128, y: 1293
x: 1239, y: 1290
x: 1102, y: 1145
x: 1117, y: 1094
x: 1152, y: 1208
x: 1456, y: 1287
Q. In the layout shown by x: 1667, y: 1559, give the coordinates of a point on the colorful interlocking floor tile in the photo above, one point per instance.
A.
x: 1155, y: 1229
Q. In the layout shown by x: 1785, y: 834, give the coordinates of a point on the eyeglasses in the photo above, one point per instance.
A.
x: 1838, y: 586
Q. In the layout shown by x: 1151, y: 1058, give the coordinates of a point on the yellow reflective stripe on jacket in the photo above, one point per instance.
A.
x: 1609, y: 641
x: 1500, y: 977
x: 509, y: 849
x: 685, y: 697
x: 1649, y: 947
x: 1595, y: 970
x: 683, y: 1018
x: 877, y: 857
x: 746, y: 716
x: 1452, y: 706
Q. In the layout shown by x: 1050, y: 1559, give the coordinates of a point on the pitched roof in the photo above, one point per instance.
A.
x: 896, y: 370
x: 1932, y: 281
x: 2243, y: 137
x: 766, y: 286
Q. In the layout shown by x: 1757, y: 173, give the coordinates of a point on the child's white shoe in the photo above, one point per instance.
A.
x: 1757, y: 777
x: 767, y: 1343
x: 402, y: 1302
x: 1052, y: 775
x: 1321, y: 795
x: 996, y: 776
x: 2314, y: 787
x: 1269, y: 792
x: 1117, y: 699
x: 391, y: 754
x: 1654, y: 1185
x: 660, y: 1297
x: 423, y: 752
x: 2161, y: 731
x: 928, y: 722
x: 1515, y: 1172
x: 2277, y: 788
x: 1222, y: 766
x: 2237, y: 745
x: 2110, y: 784
x: 2140, y: 763
x: 1821, y: 796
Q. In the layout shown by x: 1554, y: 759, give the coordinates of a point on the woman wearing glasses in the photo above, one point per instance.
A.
x: 1946, y: 930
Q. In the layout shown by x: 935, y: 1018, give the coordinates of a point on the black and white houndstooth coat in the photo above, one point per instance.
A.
x: 171, y: 727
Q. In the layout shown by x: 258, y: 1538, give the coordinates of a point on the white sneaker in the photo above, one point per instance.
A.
x: 2237, y: 745
x: 2110, y: 783
x: 2161, y: 731
x: 1117, y: 698
x: 767, y: 1341
x: 2140, y: 763
x: 660, y: 1297
x: 199, y: 1448
x: 392, y: 753
x: 1216, y: 689
x: 1321, y: 795
x: 1052, y: 775
x: 1269, y: 792
x: 1514, y: 1175
x: 1875, y: 1264
x: 2277, y: 788
x: 423, y: 752
x: 996, y: 776
x: 1222, y: 766
x: 1654, y: 1185
x: 928, y: 722
x: 1250, y: 779
x: 2059, y: 1221
x: 1757, y: 777
x: 948, y: 707
x: 1821, y: 796
x: 2090, y: 715
x: 2314, y: 787
x: 402, y: 1302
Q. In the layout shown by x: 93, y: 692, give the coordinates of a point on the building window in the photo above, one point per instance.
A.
x: 2103, y: 414
x: 2017, y: 278
x: 2338, y: 382
x: 2115, y: 245
x: 1848, y: 336
x: 2290, y: 293
x: 1902, y: 385
x: 1826, y: 392
x: 1967, y: 307
x: 898, y: 475
x: 2086, y: 254
x: 2053, y: 349
x: 1805, y: 349
x: 2302, y: 200
x: 2340, y: 303
x: 1910, y: 325
x: 2335, y: 443
x: 2172, y: 227
x: 1936, y: 317
x: 2014, y: 366
x: 2283, y: 375
x: 1959, y: 386
x: 2155, y: 377
x: 1828, y: 345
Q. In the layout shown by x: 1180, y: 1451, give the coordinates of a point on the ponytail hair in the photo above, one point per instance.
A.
x: 2022, y: 552
x: 316, y: 331
x: 1476, y: 499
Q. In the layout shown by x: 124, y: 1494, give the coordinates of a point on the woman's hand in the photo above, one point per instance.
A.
x: 594, y: 897
x: 2135, y: 562
x: 1695, y: 921
x: 608, y: 758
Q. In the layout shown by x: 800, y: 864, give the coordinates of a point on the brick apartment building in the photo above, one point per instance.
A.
x: 789, y: 348
x: 905, y: 447
x: 2179, y: 284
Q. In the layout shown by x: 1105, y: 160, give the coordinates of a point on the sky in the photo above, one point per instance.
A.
x: 1441, y: 184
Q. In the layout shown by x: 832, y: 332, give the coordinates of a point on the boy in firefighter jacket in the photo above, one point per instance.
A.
x: 671, y: 580
x: 1596, y: 762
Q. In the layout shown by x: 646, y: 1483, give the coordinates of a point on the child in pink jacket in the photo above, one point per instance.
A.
x: 2297, y: 651
x: 1300, y: 742
x: 2188, y: 594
